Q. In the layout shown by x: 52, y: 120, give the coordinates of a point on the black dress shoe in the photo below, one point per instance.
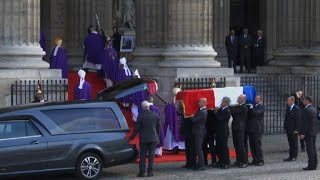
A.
x: 253, y: 163
x: 309, y: 168
x: 287, y: 159
x: 199, y: 169
x: 187, y: 167
x: 213, y: 164
x: 259, y: 164
x: 140, y: 175
x: 293, y: 159
x: 224, y: 166
x: 243, y: 166
x: 236, y: 164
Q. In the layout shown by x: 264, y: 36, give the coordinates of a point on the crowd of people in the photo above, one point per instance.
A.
x: 207, y: 132
x: 240, y: 50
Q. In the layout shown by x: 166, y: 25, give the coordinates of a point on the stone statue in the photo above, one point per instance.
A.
x: 129, y: 14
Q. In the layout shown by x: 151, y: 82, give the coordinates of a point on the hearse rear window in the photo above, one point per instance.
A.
x: 84, y: 120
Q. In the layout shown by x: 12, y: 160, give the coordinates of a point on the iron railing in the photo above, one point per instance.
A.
x: 200, y: 83
x: 275, y: 89
x: 23, y: 91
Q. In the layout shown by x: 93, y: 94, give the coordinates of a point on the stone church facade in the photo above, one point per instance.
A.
x: 174, y: 38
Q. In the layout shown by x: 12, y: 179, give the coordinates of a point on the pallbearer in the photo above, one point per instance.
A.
x: 222, y: 116
x: 58, y: 58
x: 255, y: 130
x: 239, y: 114
x: 83, y: 89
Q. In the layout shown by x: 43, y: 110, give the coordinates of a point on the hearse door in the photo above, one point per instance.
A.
x: 22, y: 147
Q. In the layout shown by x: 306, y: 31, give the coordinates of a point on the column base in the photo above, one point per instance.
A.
x: 179, y: 57
x: 296, y: 57
x: 23, y: 57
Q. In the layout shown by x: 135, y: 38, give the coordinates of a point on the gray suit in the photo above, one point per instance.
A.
x: 147, y: 126
x: 198, y: 132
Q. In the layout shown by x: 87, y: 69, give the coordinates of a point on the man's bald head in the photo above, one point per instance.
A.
x: 202, y: 102
x: 242, y: 99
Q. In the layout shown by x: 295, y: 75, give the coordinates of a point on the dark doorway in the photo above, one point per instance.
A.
x: 245, y: 13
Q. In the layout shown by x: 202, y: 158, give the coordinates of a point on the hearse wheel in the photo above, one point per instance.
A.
x: 89, y: 166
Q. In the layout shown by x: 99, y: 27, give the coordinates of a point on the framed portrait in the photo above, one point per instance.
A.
x: 127, y: 43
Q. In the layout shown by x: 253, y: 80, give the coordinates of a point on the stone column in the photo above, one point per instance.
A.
x: 175, y: 33
x: 19, y: 35
x: 174, y: 39
x: 314, y: 36
x: 188, y: 34
x: 221, y: 27
x: 81, y: 14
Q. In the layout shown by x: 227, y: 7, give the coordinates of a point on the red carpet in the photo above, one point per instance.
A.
x: 168, y: 156
x: 97, y: 83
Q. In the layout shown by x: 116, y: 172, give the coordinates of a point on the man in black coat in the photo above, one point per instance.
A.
x: 148, y: 127
x: 292, y: 127
x: 245, y: 41
x: 208, y: 145
x: 222, y: 116
x: 309, y: 132
x: 259, y: 47
x: 255, y: 130
x: 299, y: 102
x: 198, y: 132
x: 231, y: 44
x: 239, y: 114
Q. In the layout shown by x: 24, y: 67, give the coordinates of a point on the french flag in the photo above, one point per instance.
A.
x: 189, y: 98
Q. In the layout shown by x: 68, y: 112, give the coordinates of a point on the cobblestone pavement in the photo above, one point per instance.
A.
x: 274, y: 169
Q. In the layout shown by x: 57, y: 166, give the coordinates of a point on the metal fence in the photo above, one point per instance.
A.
x: 200, y: 83
x: 23, y: 91
x: 275, y: 89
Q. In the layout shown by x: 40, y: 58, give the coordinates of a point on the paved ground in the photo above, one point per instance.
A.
x: 274, y: 169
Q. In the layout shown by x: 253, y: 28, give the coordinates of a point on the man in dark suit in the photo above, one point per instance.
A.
x: 255, y: 130
x: 309, y: 132
x: 231, y: 44
x: 245, y: 41
x: 198, y: 132
x: 208, y: 145
x: 259, y: 46
x: 148, y: 126
x: 292, y: 127
x: 239, y: 114
x: 222, y: 116
x: 189, y: 143
x: 299, y: 102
